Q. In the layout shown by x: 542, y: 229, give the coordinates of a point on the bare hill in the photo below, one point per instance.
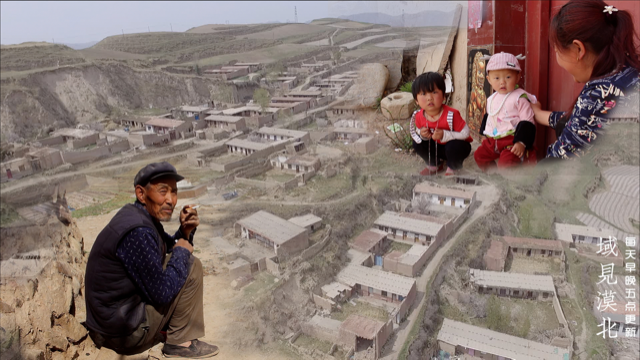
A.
x: 28, y: 56
x: 159, y: 42
x: 70, y: 95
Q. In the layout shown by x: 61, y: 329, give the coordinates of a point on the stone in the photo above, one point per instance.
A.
x: 434, y: 52
x: 368, y: 87
x: 32, y: 354
x: 71, y: 328
x: 57, y: 340
x: 398, y: 106
x: 394, y: 65
x: 6, y: 308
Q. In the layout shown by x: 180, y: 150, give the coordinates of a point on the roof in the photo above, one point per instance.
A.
x: 540, y: 244
x: 361, y: 326
x: 305, y: 220
x: 492, y: 342
x: 368, y: 239
x: 497, y: 250
x: 247, y: 64
x: 398, y: 221
x: 334, y: 289
x: 246, y: 144
x: 427, y: 188
x: 282, y: 132
x: 272, y: 227
x: 224, y: 118
x: 435, y: 219
x: 413, y: 255
x: 237, y: 263
x: 512, y: 280
x: 163, y: 122
x: 377, y: 279
x: 564, y: 231
x: 194, y: 108
x: 42, y: 151
x: 290, y: 99
x: 302, y: 160
x: 287, y: 105
x: 325, y: 323
x: 305, y: 93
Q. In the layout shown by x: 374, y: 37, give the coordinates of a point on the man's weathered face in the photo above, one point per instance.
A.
x: 159, y: 197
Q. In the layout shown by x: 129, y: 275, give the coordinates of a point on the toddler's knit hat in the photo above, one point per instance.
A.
x: 503, y: 60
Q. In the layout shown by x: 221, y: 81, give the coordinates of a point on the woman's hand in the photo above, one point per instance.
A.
x: 541, y: 116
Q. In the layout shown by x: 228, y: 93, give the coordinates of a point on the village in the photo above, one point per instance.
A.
x: 318, y: 238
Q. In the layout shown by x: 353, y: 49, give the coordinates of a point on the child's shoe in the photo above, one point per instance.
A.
x: 431, y: 170
x: 450, y: 172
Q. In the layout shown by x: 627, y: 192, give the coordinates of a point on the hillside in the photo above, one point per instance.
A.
x: 28, y: 56
x: 70, y: 95
x: 421, y: 19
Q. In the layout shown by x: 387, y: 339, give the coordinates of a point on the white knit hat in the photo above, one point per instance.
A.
x: 503, y: 61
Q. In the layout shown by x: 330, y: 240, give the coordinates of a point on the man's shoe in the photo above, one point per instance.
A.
x: 197, y: 350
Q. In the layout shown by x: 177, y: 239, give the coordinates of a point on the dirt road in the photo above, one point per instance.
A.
x: 486, y: 195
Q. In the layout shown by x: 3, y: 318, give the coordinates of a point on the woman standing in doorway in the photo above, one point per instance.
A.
x: 595, y: 43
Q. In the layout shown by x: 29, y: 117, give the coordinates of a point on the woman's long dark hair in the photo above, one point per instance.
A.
x: 611, y: 37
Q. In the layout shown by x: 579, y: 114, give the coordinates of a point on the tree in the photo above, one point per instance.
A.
x: 275, y: 70
x: 222, y: 93
x: 263, y: 98
x: 197, y: 68
x: 336, y: 56
x: 497, y: 319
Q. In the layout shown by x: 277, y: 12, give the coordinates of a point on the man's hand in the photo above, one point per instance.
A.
x: 425, y: 133
x: 185, y: 244
x: 189, y: 220
x: 438, y: 134
x: 518, y: 149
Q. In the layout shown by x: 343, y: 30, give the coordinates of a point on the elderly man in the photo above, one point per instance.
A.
x: 143, y: 284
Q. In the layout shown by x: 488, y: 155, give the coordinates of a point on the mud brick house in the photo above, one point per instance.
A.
x: 245, y: 147
x: 404, y: 226
x: 296, y: 163
x: 382, y: 285
x: 372, y: 241
x: 277, y: 134
x: 360, y: 333
x: 496, y: 255
x: 578, y: 234
x: 225, y: 122
x: 253, y: 66
x: 44, y: 159
x: 227, y: 72
x: 472, y: 342
x: 305, y: 94
x: 348, y: 133
x: 194, y: 113
x: 308, y: 221
x: 409, y: 263
x: 175, y: 128
x: 289, y: 108
x: 309, y: 103
x: 284, y: 237
x: 77, y: 138
x: 525, y: 286
x: 525, y: 247
x: 444, y: 196
x: 365, y: 145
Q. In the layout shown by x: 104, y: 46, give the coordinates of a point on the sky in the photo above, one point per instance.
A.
x: 83, y: 21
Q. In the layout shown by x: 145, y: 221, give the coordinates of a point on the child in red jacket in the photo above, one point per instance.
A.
x: 438, y: 131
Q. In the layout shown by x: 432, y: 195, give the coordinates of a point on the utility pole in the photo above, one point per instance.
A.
x: 148, y: 28
x: 123, y: 33
x: 171, y: 27
x: 295, y: 10
x: 53, y: 40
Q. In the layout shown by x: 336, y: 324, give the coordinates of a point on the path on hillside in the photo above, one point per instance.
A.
x: 487, y: 195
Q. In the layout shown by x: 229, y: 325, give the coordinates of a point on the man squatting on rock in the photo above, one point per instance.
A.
x: 144, y: 286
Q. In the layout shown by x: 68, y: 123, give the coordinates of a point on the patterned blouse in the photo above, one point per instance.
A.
x: 614, y: 96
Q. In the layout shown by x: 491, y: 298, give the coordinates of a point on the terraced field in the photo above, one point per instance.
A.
x: 622, y: 201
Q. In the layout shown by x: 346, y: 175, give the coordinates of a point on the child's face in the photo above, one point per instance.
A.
x: 431, y: 101
x: 503, y: 81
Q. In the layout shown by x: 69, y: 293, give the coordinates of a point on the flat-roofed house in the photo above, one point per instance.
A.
x: 229, y: 73
x: 372, y: 241
x: 366, y: 145
x: 444, y: 196
x: 309, y: 102
x: 410, y: 228
x: 525, y: 286
x: 188, y: 112
x: 617, y: 310
x: 306, y: 94
x: 77, y: 138
x: 284, y: 237
x: 255, y: 116
x: 225, y: 122
x: 253, y: 66
x: 296, y: 163
x: 579, y: 234
x: 168, y: 126
x: 289, y: 108
x: 473, y: 342
x: 245, y: 147
x: 277, y: 134
x: 534, y: 247
x: 496, y: 256
x: 409, y: 263
x: 382, y: 285
x: 308, y: 221
x: 360, y: 333
x: 349, y: 133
